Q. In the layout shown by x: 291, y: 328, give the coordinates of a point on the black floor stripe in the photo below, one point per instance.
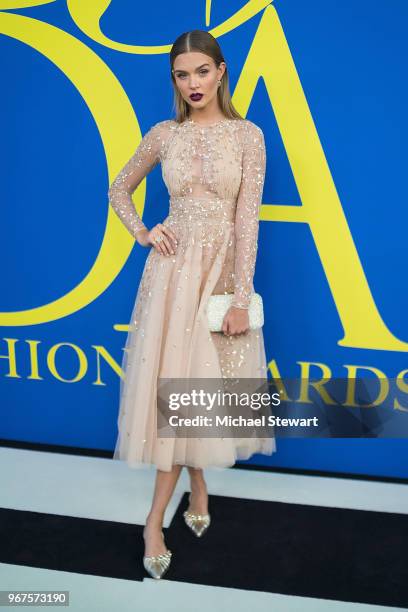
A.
x: 293, y: 549
x: 296, y: 549
x: 70, y: 544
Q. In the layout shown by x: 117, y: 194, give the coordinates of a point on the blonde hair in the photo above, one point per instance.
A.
x: 203, y: 42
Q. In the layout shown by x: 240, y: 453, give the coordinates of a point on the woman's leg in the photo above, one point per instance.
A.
x: 199, y: 494
x: 163, y: 490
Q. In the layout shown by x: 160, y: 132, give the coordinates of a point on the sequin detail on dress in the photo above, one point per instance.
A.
x: 214, y: 176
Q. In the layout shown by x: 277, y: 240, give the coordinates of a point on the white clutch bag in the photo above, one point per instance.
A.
x: 218, y: 306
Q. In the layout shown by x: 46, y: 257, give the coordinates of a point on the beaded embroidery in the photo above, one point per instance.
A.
x: 214, y: 175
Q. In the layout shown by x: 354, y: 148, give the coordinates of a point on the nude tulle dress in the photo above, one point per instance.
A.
x: 214, y: 175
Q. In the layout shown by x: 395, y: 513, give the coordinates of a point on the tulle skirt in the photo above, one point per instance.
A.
x: 169, y: 338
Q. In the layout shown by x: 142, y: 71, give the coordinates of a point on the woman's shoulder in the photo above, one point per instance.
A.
x: 165, y: 125
x: 159, y: 136
x: 159, y: 133
x: 251, y: 133
x: 250, y: 127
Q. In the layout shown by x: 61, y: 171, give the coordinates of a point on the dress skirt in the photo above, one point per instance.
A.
x: 169, y: 338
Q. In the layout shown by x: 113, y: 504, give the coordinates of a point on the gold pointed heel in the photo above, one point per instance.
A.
x: 157, y: 565
x: 198, y: 523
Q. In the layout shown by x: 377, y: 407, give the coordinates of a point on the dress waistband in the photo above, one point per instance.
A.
x: 200, y: 208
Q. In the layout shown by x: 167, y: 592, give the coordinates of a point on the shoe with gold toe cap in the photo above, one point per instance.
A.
x: 198, y: 523
x: 157, y: 565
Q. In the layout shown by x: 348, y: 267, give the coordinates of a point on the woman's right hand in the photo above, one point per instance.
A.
x: 160, y: 237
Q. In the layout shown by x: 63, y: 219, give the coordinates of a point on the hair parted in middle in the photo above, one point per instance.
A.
x: 203, y: 42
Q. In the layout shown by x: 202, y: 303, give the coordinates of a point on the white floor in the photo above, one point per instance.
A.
x: 109, y: 490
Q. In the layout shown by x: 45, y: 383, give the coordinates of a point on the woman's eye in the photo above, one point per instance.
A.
x: 183, y: 76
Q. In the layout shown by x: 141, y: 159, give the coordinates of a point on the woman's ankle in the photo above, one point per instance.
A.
x: 198, y: 486
x: 155, y: 521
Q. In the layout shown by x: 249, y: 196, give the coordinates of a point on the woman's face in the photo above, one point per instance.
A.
x: 196, y: 73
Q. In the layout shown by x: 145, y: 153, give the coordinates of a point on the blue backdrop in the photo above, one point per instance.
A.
x: 81, y: 82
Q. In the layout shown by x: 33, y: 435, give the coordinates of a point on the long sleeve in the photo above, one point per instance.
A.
x: 247, y: 214
x: 145, y: 158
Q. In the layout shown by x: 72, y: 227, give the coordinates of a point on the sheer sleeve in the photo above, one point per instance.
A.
x: 145, y: 158
x: 247, y: 214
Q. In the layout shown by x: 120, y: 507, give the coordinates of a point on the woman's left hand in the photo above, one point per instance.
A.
x: 236, y: 321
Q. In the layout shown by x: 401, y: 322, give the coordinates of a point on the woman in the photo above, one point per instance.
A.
x: 213, y: 165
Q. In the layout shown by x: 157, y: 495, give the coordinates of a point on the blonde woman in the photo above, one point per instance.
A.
x: 213, y: 165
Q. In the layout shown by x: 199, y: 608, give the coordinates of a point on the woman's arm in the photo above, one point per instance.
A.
x: 247, y: 214
x: 145, y: 158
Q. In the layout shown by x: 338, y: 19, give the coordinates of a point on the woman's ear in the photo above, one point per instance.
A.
x: 222, y: 68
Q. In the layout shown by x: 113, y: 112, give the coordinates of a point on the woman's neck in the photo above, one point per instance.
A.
x: 206, y: 117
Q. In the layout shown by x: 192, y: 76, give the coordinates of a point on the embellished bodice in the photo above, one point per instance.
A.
x: 202, y: 161
x: 214, y: 172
